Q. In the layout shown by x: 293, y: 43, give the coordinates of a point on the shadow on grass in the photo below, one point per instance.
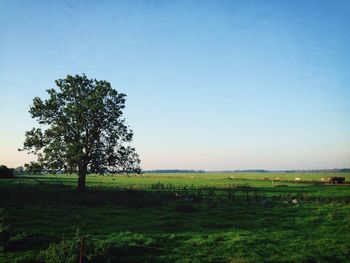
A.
x: 197, y: 220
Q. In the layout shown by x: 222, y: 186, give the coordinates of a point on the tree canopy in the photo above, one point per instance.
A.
x: 82, y: 129
x: 6, y: 172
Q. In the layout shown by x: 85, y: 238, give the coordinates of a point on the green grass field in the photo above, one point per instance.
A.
x: 210, y: 217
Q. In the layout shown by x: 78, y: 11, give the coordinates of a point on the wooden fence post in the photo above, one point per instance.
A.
x: 81, y: 249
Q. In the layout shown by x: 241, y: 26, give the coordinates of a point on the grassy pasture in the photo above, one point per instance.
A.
x: 176, y: 218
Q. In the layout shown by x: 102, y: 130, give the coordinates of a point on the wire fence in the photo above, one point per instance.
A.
x: 281, y: 193
x: 82, y: 240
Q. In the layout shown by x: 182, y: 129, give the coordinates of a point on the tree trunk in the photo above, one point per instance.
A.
x: 81, y: 179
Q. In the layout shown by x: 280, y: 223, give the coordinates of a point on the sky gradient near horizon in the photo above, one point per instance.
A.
x: 214, y: 85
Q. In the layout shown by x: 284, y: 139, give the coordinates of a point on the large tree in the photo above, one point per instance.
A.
x: 82, y: 129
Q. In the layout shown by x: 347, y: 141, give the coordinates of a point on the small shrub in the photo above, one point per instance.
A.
x: 65, y: 251
x: 6, y: 172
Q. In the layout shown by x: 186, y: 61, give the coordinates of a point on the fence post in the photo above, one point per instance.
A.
x: 81, y: 249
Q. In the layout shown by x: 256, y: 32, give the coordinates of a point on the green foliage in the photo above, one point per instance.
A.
x: 64, y: 251
x: 33, y: 168
x: 85, y: 129
x: 19, y: 170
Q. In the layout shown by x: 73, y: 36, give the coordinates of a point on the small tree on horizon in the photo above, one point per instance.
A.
x: 33, y: 168
x: 83, y: 129
x: 6, y: 172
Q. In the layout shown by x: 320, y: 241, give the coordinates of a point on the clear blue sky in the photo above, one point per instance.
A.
x: 211, y: 84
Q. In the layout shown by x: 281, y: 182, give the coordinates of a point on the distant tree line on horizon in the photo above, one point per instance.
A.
x: 246, y: 171
x: 173, y: 171
x: 333, y: 170
x: 6, y: 172
x: 33, y: 168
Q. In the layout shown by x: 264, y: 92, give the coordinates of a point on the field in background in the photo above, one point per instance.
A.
x: 186, y: 179
x: 211, y: 217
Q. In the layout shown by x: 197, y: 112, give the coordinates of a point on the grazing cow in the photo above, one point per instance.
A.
x: 335, y: 180
x: 338, y: 179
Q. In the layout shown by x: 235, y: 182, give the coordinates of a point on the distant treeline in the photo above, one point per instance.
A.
x: 30, y: 169
x: 6, y: 172
x: 335, y: 170
x: 173, y: 171
x: 243, y: 171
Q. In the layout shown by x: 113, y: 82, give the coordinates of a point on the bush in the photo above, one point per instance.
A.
x: 64, y: 251
x: 6, y: 172
x: 19, y: 170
